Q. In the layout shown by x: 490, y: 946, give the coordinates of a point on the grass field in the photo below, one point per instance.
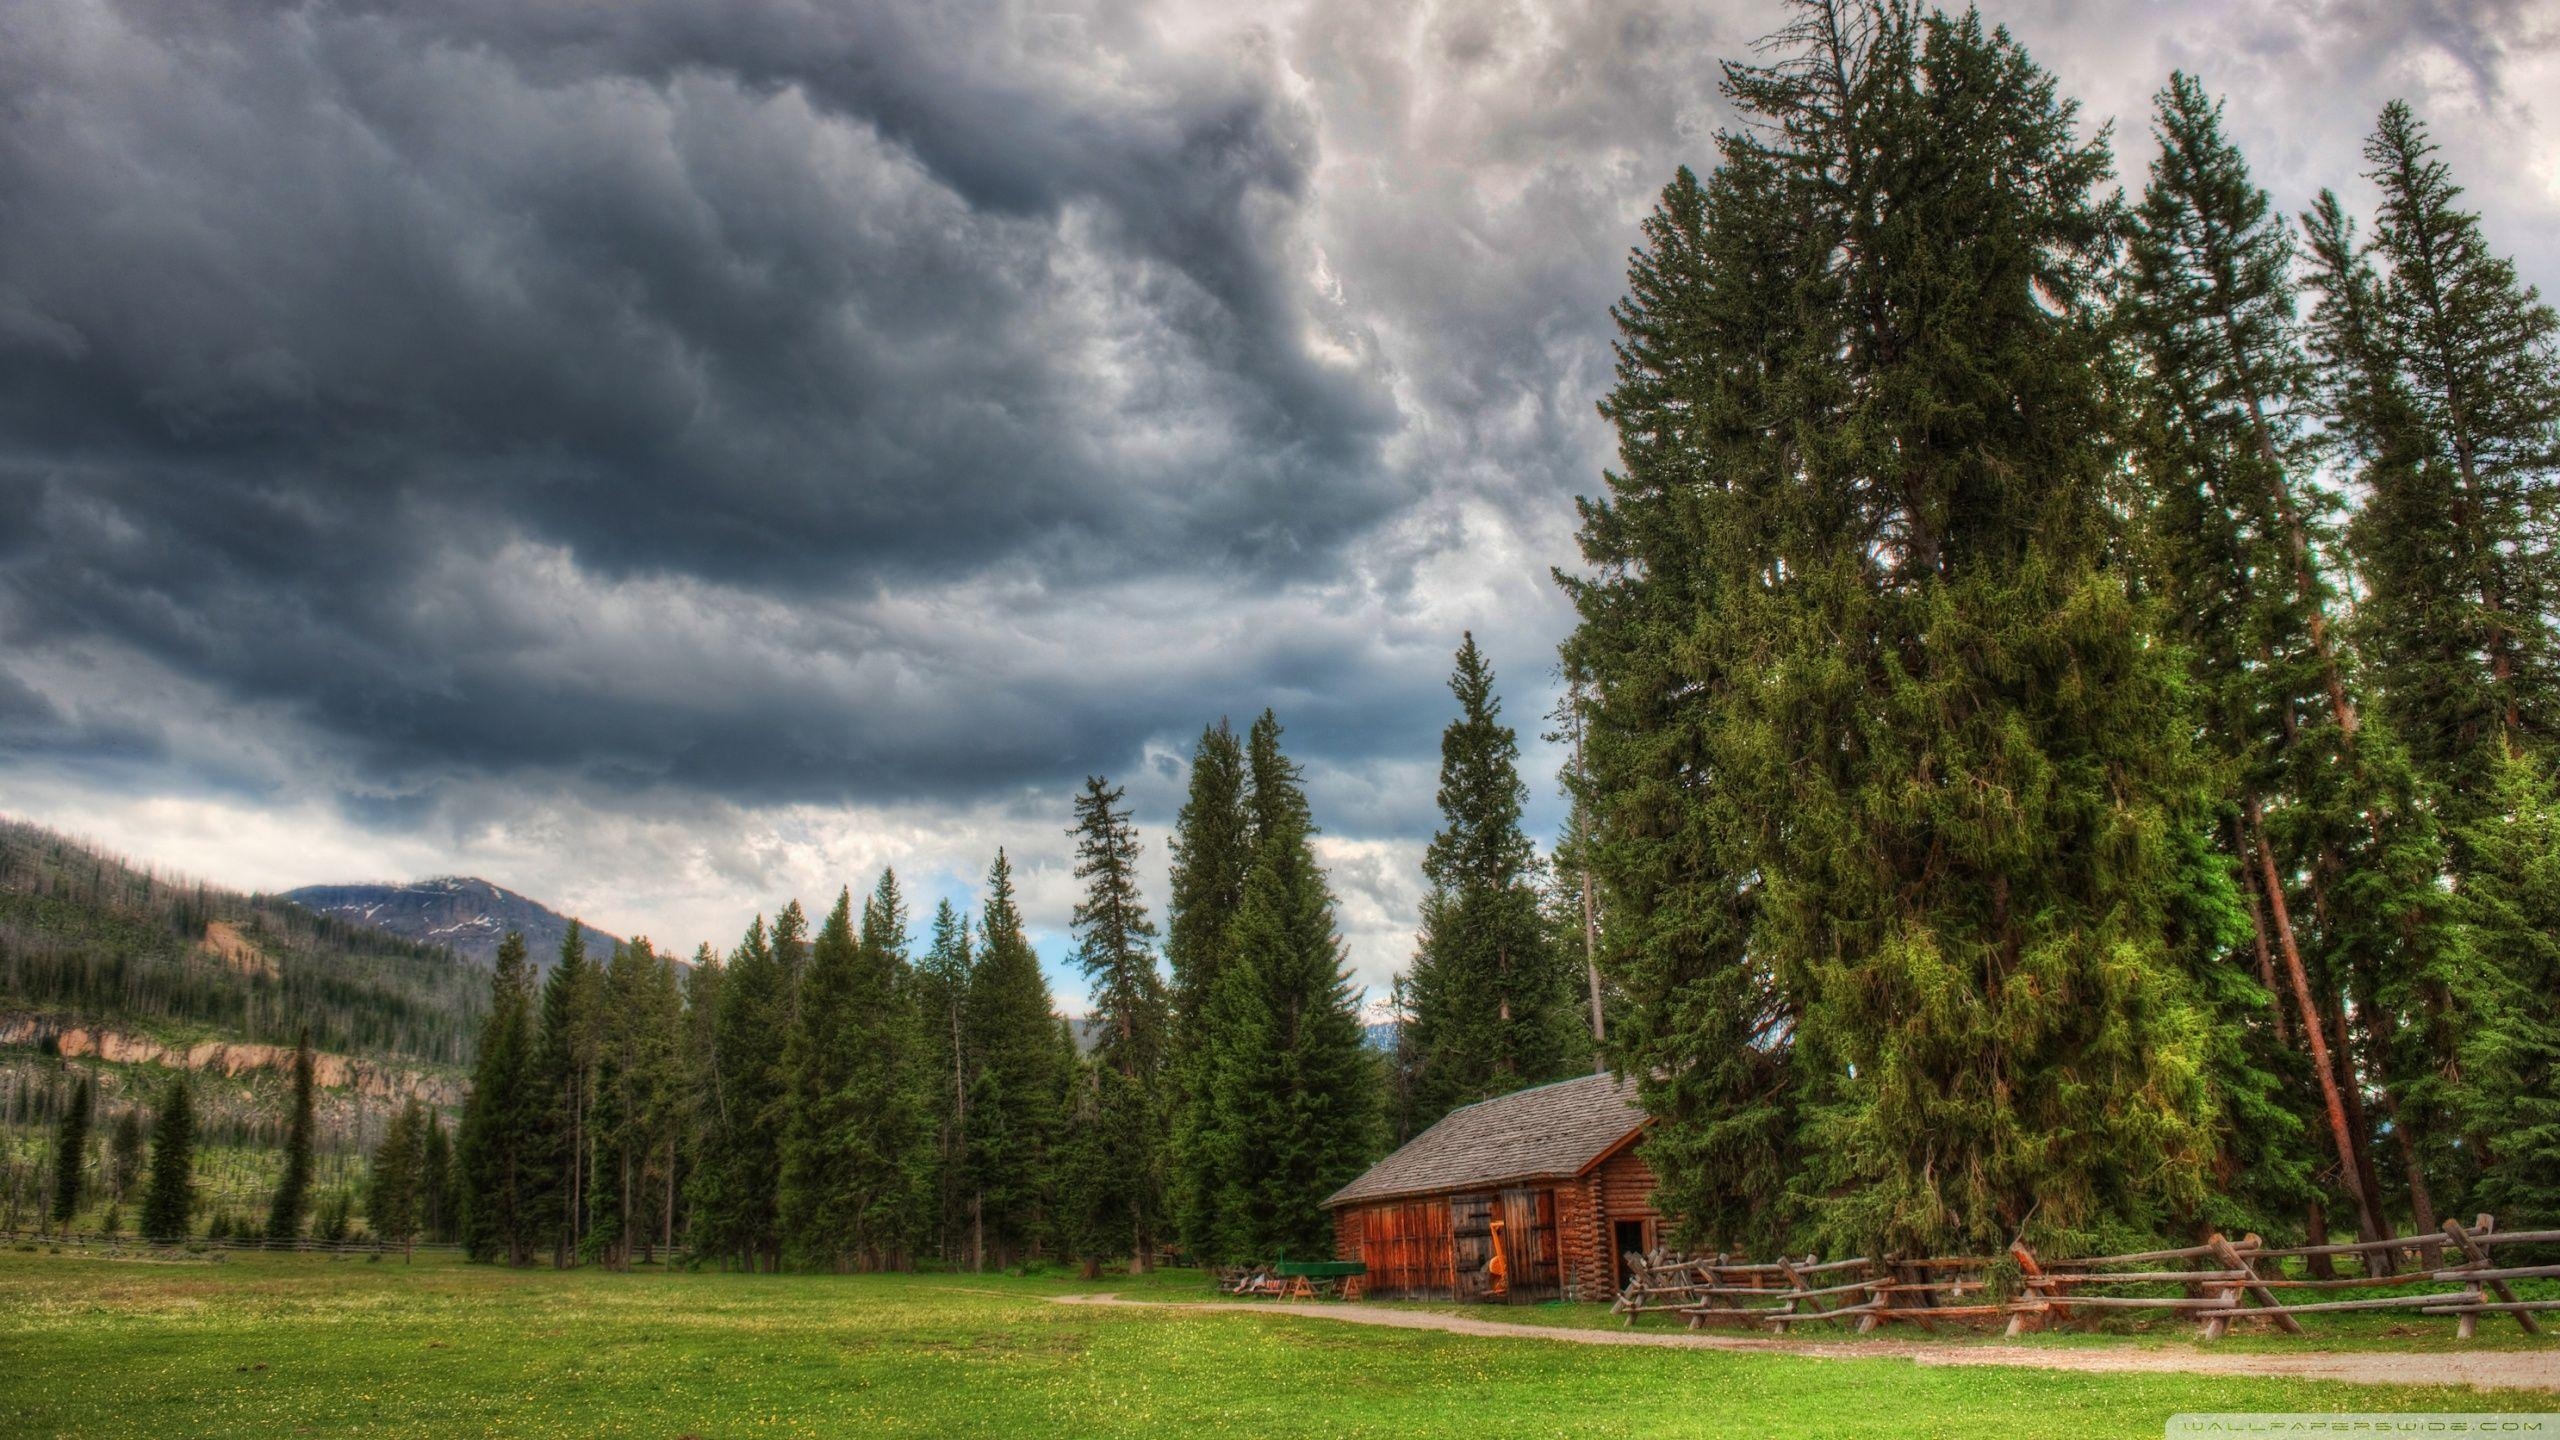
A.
x: 306, y: 1345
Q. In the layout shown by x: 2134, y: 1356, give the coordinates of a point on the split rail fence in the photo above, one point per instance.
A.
x: 2454, y: 1273
x: 301, y: 1244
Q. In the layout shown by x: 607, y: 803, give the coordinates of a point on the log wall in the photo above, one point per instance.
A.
x: 1558, y: 1238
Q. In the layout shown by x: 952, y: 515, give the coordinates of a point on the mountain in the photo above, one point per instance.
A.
x: 466, y: 915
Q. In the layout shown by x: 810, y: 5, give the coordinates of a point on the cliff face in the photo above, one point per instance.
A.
x: 232, y: 1059
x: 466, y: 915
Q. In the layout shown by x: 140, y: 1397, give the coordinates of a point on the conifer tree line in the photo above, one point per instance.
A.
x: 2067, y: 682
x: 850, y: 1098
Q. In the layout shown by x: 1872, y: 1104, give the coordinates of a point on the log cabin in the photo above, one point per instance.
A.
x: 1545, y: 1181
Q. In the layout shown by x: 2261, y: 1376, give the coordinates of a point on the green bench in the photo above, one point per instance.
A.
x: 1309, y: 1279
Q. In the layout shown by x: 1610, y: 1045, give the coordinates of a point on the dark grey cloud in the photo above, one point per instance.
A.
x: 298, y: 304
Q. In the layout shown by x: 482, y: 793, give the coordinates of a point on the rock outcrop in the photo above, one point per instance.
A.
x: 232, y: 1058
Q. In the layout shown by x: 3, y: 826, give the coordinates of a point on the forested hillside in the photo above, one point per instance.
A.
x: 86, y: 938
x: 115, y: 979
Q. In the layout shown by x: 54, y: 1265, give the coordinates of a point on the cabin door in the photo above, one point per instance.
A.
x: 1628, y: 1236
x: 1471, y: 1243
x: 1528, y: 1239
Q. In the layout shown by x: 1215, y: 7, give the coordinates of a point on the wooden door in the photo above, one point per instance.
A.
x: 1471, y: 1244
x: 1529, y: 1247
x: 1406, y: 1247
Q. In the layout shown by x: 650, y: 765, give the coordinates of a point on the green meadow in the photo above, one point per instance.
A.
x: 293, y: 1345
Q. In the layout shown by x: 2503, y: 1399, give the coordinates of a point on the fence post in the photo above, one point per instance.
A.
x: 2022, y: 1321
x: 2232, y: 1259
x: 2480, y: 1258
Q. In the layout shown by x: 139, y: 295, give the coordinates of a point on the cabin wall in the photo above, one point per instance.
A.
x: 1407, y: 1245
x: 1581, y: 1239
x: 1436, y: 1247
x: 1587, y: 1214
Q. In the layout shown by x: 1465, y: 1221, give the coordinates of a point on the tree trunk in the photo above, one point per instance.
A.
x: 2266, y: 963
x: 2315, y: 1232
x: 2360, y: 1125
x: 2422, y: 1207
x: 1590, y: 906
x: 2367, y: 1221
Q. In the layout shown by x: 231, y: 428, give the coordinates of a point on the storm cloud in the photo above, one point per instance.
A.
x: 670, y: 457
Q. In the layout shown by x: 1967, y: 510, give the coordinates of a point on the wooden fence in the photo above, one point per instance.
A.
x: 2453, y: 1273
x: 197, y: 1243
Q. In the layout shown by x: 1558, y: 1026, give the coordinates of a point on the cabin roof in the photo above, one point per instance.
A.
x: 1551, y: 1132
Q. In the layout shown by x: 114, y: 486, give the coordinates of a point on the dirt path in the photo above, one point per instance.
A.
x: 2482, y: 1369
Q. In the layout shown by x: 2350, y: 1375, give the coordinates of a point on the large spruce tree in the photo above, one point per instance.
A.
x: 737, y: 1184
x: 2511, y: 903
x: 2334, y: 855
x: 699, y: 1106
x: 638, y: 1102
x: 501, y: 1151
x: 856, y: 1143
x: 169, y: 1200
x: 436, y: 1185
x: 1295, y: 1090
x: 395, y: 1186
x: 1212, y: 850
x: 2443, y: 390
x: 1491, y: 993
x: 124, y: 1153
x: 565, y: 1062
x: 1018, y: 1081
x: 71, y: 1154
x: 1123, y: 1200
x: 293, y: 1190
x: 1881, y: 747
x: 2471, y: 349
x: 942, y: 995
x: 1674, y: 749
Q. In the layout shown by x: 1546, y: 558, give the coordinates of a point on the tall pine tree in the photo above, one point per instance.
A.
x: 1212, y: 850
x: 855, y: 1148
x: 293, y: 1191
x: 169, y: 1201
x: 942, y: 994
x: 1017, y: 1083
x: 2444, y: 388
x: 1294, y: 1089
x: 737, y: 1185
x: 565, y: 1064
x: 502, y: 1152
x: 395, y: 1186
x: 1672, y: 743
x: 637, y: 1100
x: 1854, y: 625
x: 2472, y: 350
x: 71, y: 1154
x: 2335, y: 857
x: 1124, y: 1201
x: 1493, y: 1007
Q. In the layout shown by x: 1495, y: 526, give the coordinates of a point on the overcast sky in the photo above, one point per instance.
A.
x: 669, y: 456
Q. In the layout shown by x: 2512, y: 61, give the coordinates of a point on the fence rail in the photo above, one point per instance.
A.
x: 2456, y: 1274
x: 299, y: 1245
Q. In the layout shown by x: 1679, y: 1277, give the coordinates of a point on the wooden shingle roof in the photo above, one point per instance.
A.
x: 1553, y: 1132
